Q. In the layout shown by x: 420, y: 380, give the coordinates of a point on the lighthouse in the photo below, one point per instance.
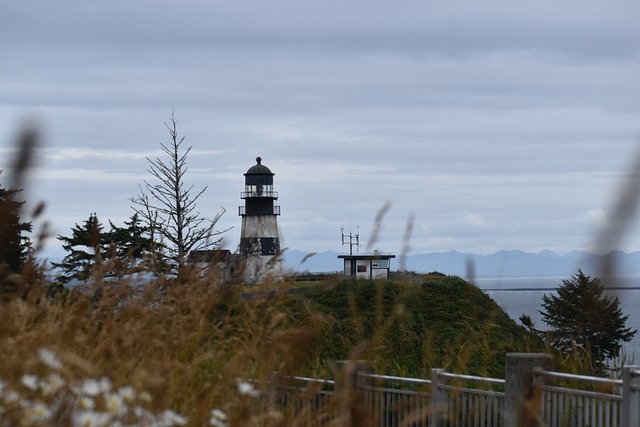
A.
x: 259, y: 238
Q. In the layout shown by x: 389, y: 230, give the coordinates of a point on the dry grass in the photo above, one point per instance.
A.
x: 186, y: 346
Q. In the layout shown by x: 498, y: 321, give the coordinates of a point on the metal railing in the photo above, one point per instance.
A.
x: 302, y: 396
x: 453, y: 400
x: 578, y: 400
x: 396, y: 401
x: 247, y: 194
x: 466, y: 400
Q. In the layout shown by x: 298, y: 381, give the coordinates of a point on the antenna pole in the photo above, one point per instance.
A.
x: 353, y: 239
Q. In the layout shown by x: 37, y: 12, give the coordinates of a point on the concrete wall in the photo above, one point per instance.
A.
x: 261, y: 269
x: 259, y: 226
x: 363, y: 270
x: 379, y: 273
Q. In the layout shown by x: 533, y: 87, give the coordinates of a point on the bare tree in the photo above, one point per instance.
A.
x: 169, y: 205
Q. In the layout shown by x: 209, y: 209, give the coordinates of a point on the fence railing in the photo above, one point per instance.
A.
x: 578, y: 400
x: 302, y: 396
x: 453, y: 400
x: 395, y: 401
x: 465, y: 400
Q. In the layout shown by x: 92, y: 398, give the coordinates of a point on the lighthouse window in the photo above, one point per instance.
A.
x: 259, y: 190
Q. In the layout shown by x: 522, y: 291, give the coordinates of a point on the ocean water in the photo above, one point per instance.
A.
x: 519, y: 296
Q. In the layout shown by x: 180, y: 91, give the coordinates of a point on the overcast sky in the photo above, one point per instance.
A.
x: 499, y: 125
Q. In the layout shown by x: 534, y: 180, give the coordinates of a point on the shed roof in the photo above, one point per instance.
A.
x: 367, y: 256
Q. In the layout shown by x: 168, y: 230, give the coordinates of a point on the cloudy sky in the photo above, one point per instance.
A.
x: 498, y: 125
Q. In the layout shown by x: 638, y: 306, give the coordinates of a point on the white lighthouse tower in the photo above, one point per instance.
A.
x: 259, y: 239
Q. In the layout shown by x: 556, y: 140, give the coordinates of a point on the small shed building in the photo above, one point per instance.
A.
x: 367, y: 266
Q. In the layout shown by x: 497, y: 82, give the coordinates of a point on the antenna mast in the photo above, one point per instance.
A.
x: 353, y: 239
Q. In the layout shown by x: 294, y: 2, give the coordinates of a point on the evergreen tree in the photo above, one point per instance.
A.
x: 92, y: 252
x: 581, y: 316
x: 131, y: 246
x: 15, y: 246
x: 87, y: 248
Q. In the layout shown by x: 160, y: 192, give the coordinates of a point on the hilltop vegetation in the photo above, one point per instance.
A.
x: 407, y: 329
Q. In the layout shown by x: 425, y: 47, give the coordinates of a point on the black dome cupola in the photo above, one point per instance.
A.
x: 259, y: 169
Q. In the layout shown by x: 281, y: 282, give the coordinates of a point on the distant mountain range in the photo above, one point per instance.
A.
x: 512, y: 263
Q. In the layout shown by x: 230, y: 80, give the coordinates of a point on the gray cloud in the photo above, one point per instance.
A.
x: 499, y: 124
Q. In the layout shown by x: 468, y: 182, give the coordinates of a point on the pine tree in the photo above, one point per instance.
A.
x: 15, y: 246
x: 131, y: 246
x: 582, y: 317
x: 87, y: 248
x: 96, y: 254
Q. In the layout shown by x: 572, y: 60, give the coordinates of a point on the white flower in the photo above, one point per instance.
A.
x: 54, y: 383
x: 56, y: 380
x: 11, y: 397
x: 86, y: 402
x: 170, y: 418
x: 218, y: 418
x: 32, y: 382
x: 90, y: 419
x: 38, y: 412
x: 49, y: 358
x: 91, y: 387
x: 115, y: 405
x: 104, y: 384
x: 47, y: 389
x: 127, y: 393
x: 145, y: 396
x: 246, y: 389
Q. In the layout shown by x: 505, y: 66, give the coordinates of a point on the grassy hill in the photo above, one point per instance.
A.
x: 407, y: 329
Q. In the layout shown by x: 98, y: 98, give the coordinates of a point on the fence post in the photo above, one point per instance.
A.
x: 630, y: 396
x: 274, y: 392
x: 522, y: 398
x: 350, y: 404
x: 438, y: 403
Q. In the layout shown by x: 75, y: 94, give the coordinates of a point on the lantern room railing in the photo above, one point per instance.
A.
x: 248, y: 194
